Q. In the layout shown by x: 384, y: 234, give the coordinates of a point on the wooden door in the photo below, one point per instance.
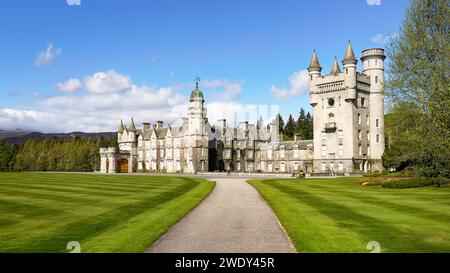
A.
x: 122, y: 165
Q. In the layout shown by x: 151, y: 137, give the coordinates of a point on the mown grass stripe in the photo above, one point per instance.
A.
x: 346, y: 212
x: 39, y: 215
x: 77, y: 184
x: 88, y: 227
x: 368, y: 226
x: 384, y: 200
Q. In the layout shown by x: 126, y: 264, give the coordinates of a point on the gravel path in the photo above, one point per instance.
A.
x: 233, y: 218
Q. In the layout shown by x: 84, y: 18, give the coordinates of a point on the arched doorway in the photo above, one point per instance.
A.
x: 107, y: 165
x: 122, y: 165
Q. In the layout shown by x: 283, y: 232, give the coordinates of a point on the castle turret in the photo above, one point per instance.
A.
x: 335, y: 69
x: 197, y: 159
x: 197, y: 112
x: 349, y: 63
x: 132, y: 126
x: 121, y: 127
x: 314, y: 71
x: 373, y: 66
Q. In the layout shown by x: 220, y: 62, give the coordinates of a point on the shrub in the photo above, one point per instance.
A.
x: 415, y: 183
x: 440, y: 182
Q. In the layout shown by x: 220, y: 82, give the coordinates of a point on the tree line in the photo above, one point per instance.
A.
x: 302, y: 126
x: 79, y: 154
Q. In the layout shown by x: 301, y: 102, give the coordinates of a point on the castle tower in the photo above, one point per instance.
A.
x: 196, y: 112
x: 197, y: 156
x: 347, y: 108
x: 373, y: 66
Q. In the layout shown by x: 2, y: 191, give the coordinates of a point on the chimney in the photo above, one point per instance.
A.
x: 274, y: 131
x: 145, y: 126
x: 243, y: 125
x: 221, y: 124
x: 297, y: 137
x: 185, y: 121
x: 159, y: 124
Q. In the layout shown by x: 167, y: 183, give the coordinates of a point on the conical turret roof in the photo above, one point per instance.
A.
x: 314, y: 64
x: 335, y: 70
x: 132, y: 126
x: 121, y: 127
x: 349, y: 55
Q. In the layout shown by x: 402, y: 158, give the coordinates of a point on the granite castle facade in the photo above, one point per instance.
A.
x: 348, y: 113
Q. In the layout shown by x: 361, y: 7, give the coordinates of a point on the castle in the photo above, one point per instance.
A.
x: 348, y: 114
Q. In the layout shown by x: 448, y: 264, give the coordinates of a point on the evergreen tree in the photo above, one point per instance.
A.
x: 301, y: 124
x: 260, y: 123
x: 289, y: 128
x: 309, y: 132
x: 280, y: 120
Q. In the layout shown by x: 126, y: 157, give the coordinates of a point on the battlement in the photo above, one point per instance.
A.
x: 331, y: 86
x: 373, y: 52
x: 105, y: 150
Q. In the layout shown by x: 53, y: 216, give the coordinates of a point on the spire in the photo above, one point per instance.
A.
x: 132, y: 126
x: 121, y: 128
x: 349, y: 57
x: 335, y: 70
x: 314, y: 64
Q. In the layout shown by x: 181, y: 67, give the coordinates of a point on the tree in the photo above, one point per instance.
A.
x: 280, y: 120
x: 301, y: 123
x: 260, y: 123
x: 289, y: 128
x: 418, y: 77
x: 308, y: 127
x: 400, y: 136
x: 7, y: 156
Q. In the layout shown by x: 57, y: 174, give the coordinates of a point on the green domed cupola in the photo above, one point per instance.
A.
x: 197, y: 94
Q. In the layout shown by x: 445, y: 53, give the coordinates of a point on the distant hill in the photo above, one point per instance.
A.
x: 19, y: 137
x: 12, y: 133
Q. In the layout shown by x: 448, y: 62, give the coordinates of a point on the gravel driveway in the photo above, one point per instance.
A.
x: 233, y: 218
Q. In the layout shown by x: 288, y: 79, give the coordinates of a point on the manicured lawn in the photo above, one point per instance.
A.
x: 338, y: 215
x: 42, y: 212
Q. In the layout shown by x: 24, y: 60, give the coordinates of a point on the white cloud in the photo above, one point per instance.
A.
x: 113, y: 97
x: 230, y: 89
x: 69, y: 86
x: 382, y: 39
x: 29, y: 119
x: 299, y: 85
x: 47, y: 56
x: 73, y: 2
x: 235, y: 112
x: 107, y: 82
x: 373, y: 2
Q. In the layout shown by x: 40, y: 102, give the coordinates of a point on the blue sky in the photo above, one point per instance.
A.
x: 68, y: 67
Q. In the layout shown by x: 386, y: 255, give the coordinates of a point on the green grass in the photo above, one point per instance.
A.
x: 339, y: 215
x: 42, y: 212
